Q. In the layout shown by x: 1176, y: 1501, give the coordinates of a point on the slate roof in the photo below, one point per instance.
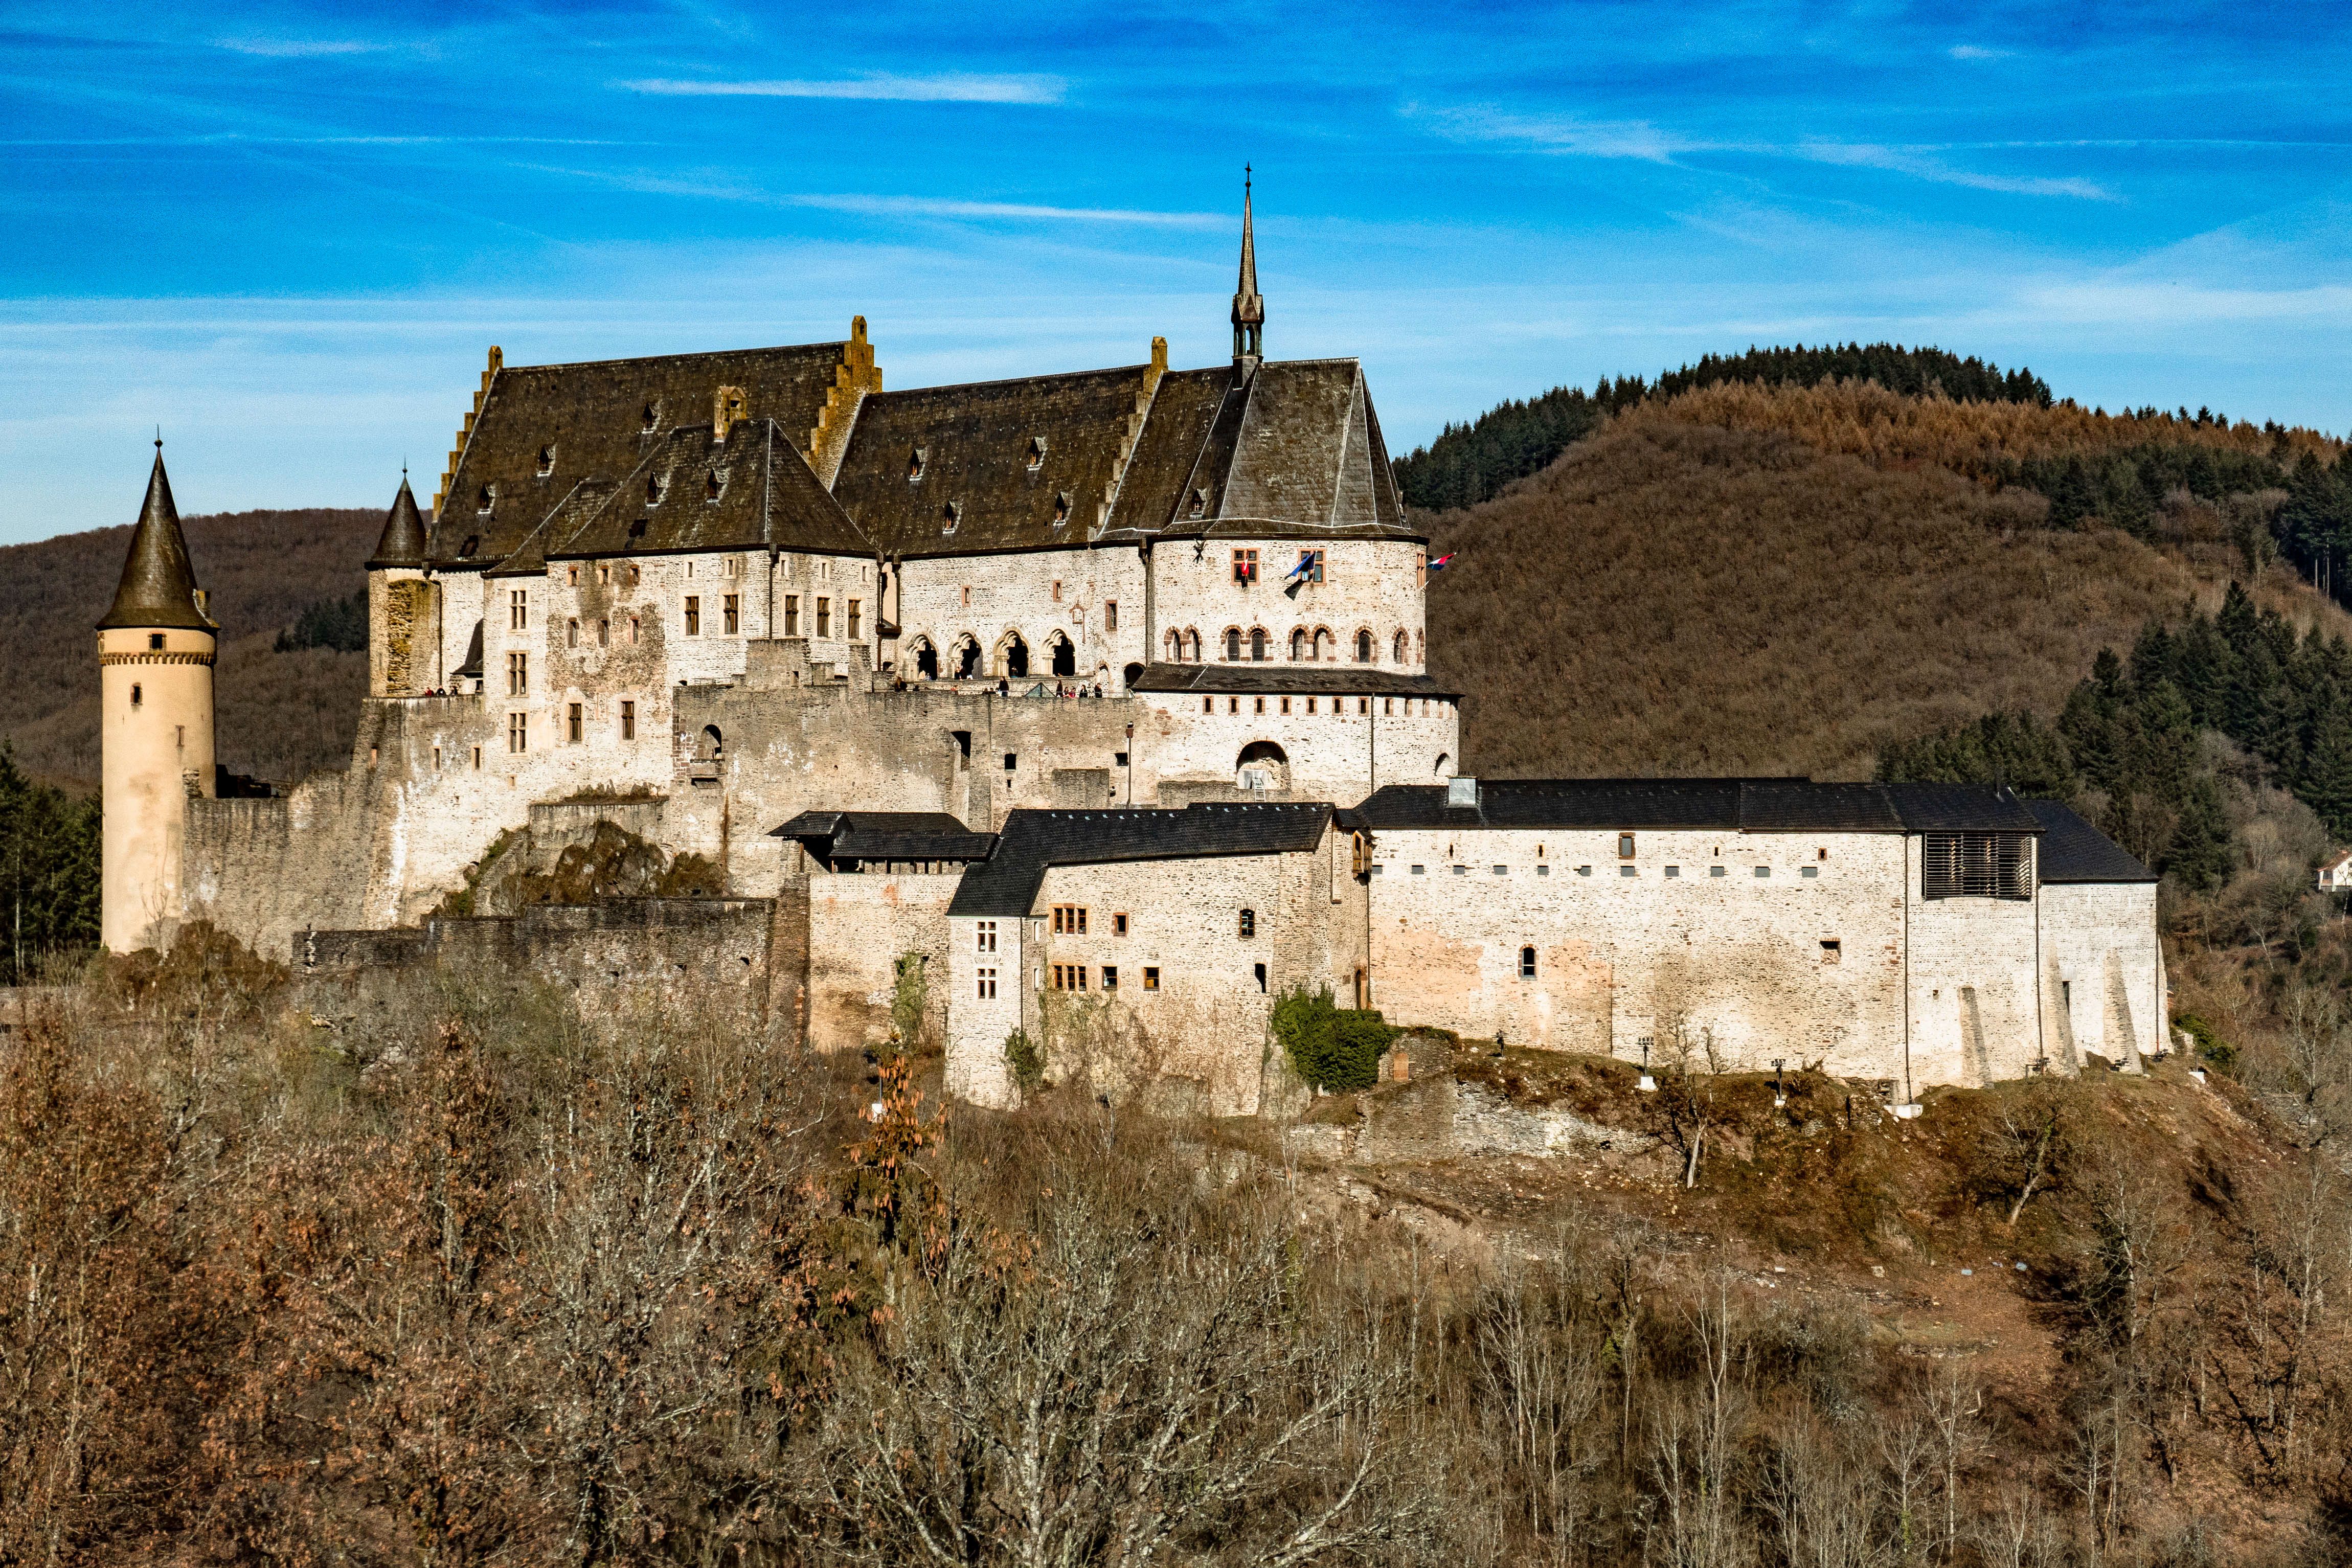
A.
x: 1744, y: 805
x: 1296, y: 449
x: 2074, y: 852
x: 1006, y: 884
x: 887, y: 836
x: 766, y: 497
x: 159, y: 584
x: 593, y: 415
x: 403, y: 541
x: 1344, y: 680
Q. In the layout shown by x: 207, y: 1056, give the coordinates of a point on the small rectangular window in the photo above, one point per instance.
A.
x: 1245, y: 567
x: 1527, y: 963
x: 1110, y: 977
x: 517, y: 609
x: 1012, y: 761
x: 1069, y: 920
x: 1261, y: 705
x: 628, y: 721
x: 856, y: 616
x: 1057, y: 591
x: 1310, y: 705
x: 1832, y: 950
x: 605, y: 633
x: 728, y: 620
x: 1715, y: 870
x: 1808, y: 871
x: 571, y: 723
x: 1763, y: 872
x: 1248, y: 922
x: 604, y: 574
x: 1624, y: 846
x: 694, y: 615
x: 984, y: 937
x: 1285, y: 704
x: 1421, y: 870
x: 1543, y: 871
x: 1151, y: 979
x: 636, y: 574
x: 1363, y: 706
x: 1462, y: 871
x: 477, y: 759
x: 518, y: 674
x: 518, y: 732
x: 792, y: 615
x: 1627, y: 871
x: 1674, y: 870
x: 436, y: 759
x: 986, y: 988
x: 155, y: 641
x: 1119, y: 925
x: 1502, y: 871
x: 824, y: 616
x: 632, y: 630
x: 1110, y: 614
x: 1584, y: 870
x: 572, y: 577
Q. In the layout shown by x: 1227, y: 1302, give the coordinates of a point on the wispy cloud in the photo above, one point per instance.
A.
x: 721, y: 188
x: 299, y: 49
x: 951, y: 87
x: 1922, y: 165
x: 1972, y: 52
x: 1643, y: 142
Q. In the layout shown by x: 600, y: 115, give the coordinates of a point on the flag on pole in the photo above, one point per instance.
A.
x: 1306, y: 564
x: 1442, y: 561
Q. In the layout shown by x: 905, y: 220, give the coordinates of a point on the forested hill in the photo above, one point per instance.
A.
x: 287, y: 703
x: 1470, y: 463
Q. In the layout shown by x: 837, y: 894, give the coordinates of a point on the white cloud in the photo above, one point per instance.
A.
x: 299, y: 49
x: 1918, y: 166
x: 936, y: 208
x: 1637, y: 139
x: 951, y: 87
x: 1972, y: 52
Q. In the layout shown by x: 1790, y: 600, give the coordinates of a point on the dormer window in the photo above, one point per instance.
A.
x: 653, y: 417
x: 915, y: 464
x: 1036, y: 453
x: 656, y: 487
x: 1061, y: 508
x: 713, y: 484
x: 1199, y: 500
x: 547, y: 460
x: 488, y: 499
x: 950, y: 515
x: 473, y: 542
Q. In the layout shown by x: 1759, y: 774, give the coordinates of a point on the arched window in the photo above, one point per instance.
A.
x: 1065, y: 655
x: 1233, y: 643
x: 1175, y: 646
x: 1131, y: 675
x: 1403, y: 646
x: 1363, y: 647
x: 926, y: 659
x: 1247, y: 925
x: 1016, y: 657
x: 1192, y: 645
x: 714, y: 744
x: 1327, y: 645
x: 967, y: 658
x: 1257, y: 644
x: 1527, y: 963
x: 1420, y: 647
x: 1298, y: 645
x: 1444, y: 769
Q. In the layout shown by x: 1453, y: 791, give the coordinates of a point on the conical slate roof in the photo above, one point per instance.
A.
x: 159, y: 586
x: 403, y: 543
x: 1249, y: 305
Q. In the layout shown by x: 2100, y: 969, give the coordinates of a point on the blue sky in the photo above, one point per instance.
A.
x: 287, y: 235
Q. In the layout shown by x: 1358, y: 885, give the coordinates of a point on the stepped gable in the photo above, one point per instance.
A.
x: 403, y: 541
x: 2074, y: 852
x: 693, y: 492
x: 1296, y: 448
x: 159, y: 585
x: 915, y: 455
x: 1741, y: 805
x: 590, y: 420
x: 1033, y: 842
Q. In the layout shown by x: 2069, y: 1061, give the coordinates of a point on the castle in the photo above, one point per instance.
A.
x: 1102, y: 697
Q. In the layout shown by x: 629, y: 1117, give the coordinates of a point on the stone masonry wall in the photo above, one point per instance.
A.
x: 2103, y: 975
x: 1039, y: 595
x: 859, y: 926
x: 1369, y: 585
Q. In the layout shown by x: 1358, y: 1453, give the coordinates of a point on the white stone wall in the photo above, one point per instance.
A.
x: 1337, y: 749
x: 859, y: 925
x: 978, y: 1024
x: 1038, y: 595
x: 1670, y: 951
x: 1975, y: 1015
x: 1368, y: 585
x: 2101, y: 973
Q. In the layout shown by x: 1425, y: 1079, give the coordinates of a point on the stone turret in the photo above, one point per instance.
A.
x: 403, y: 605
x: 155, y: 651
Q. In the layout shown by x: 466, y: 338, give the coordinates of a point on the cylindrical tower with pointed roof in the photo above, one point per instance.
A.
x: 155, y: 650
x: 404, y: 632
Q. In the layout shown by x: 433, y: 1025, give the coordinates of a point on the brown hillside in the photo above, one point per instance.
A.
x: 1673, y: 596
x: 281, y: 715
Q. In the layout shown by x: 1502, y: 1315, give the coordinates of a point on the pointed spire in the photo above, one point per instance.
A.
x: 403, y: 543
x: 1249, y: 306
x: 159, y: 586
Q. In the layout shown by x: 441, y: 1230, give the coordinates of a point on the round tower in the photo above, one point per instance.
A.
x: 403, y: 626
x: 155, y: 653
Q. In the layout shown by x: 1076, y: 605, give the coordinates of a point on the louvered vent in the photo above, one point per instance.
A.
x: 1980, y: 865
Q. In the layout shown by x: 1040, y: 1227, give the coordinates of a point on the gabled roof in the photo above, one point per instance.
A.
x: 403, y: 541
x: 1006, y: 457
x: 886, y: 836
x: 2074, y: 852
x: 1344, y: 679
x: 1006, y: 884
x: 159, y: 585
x: 690, y: 491
x: 1741, y: 805
x: 589, y: 421
x: 1296, y: 448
